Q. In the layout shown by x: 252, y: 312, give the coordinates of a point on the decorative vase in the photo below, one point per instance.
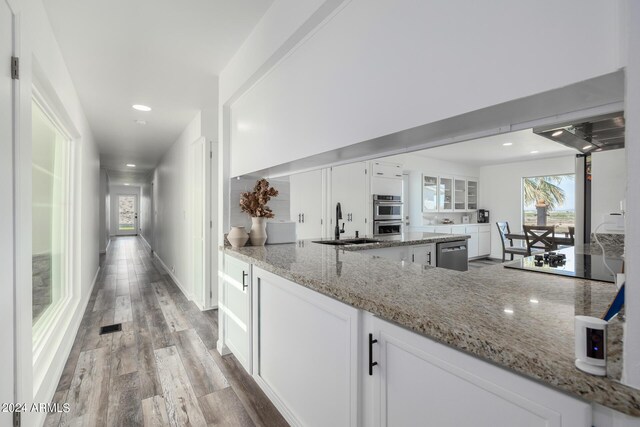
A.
x: 258, y: 234
x: 238, y: 237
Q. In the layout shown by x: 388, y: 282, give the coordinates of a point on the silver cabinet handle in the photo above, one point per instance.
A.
x: 244, y: 280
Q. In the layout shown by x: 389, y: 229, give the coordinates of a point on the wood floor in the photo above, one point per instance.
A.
x: 162, y: 369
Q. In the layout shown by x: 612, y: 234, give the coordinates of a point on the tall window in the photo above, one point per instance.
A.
x: 549, y: 200
x: 50, y: 213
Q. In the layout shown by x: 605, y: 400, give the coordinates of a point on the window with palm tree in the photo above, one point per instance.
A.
x: 549, y: 200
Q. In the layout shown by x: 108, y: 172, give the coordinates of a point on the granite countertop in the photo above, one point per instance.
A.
x: 404, y: 239
x: 522, y: 321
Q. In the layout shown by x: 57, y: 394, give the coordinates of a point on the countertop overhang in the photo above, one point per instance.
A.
x: 522, y: 321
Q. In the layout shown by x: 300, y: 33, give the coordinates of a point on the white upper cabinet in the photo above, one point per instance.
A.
x: 349, y: 188
x: 472, y: 194
x: 460, y: 194
x: 445, y: 194
x: 307, y: 206
x: 386, y: 170
x: 429, y: 193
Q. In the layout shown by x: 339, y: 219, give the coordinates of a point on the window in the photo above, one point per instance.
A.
x: 549, y: 200
x: 50, y: 214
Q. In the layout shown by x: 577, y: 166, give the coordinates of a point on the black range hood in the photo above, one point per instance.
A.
x: 594, y: 134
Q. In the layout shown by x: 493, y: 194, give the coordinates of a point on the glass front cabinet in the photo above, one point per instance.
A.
x: 429, y: 193
x: 472, y: 194
x: 445, y: 193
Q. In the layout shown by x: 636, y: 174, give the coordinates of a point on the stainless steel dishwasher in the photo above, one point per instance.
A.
x: 453, y: 255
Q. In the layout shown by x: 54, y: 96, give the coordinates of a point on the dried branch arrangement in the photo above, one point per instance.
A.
x: 255, y: 202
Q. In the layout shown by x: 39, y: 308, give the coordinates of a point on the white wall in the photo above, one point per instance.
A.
x: 501, y: 191
x: 171, y: 178
x: 42, y: 63
x: 416, y: 165
x: 105, y: 209
x: 114, y: 191
x: 369, y: 71
x: 608, y: 186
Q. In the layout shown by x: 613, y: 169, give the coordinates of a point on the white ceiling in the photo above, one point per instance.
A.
x: 161, y: 53
x: 491, y: 151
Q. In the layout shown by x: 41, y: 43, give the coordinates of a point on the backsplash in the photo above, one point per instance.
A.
x: 437, y: 217
x: 280, y: 205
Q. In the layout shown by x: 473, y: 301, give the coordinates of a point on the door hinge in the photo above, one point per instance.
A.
x: 16, y: 419
x: 210, y: 224
x: 15, y: 68
x: 365, y: 171
x: 211, y: 154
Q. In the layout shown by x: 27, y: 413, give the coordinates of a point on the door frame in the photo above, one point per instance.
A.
x: 137, y: 214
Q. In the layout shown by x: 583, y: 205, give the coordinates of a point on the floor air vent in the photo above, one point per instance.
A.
x: 110, y: 329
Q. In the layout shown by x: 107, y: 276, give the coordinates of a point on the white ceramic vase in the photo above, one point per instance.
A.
x: 238, y: 237
x: 258, y: 234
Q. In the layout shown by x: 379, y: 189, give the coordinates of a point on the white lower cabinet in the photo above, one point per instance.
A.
x: 305, y: 352
x: 396, y: 253
x: 417, y: 381
x: 424, y: 254
x: 235, y: 310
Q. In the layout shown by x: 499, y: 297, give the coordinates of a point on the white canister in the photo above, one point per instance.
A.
x: 238, y: 237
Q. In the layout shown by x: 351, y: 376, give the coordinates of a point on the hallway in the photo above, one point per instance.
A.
x: 162, y: 368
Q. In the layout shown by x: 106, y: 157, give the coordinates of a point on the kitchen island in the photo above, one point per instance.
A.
x: 520, y: 322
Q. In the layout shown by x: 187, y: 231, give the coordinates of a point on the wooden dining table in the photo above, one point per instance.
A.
x: 560, y: 241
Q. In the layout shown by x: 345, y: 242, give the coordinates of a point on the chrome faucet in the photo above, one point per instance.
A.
x: 338, y: 231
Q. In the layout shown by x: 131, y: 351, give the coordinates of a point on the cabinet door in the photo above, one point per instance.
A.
x: 472, y: 244
x: 429, y: 193
x: 460, y: 194
x: 235, y: 304
x: 306, y: 353
x: 306, y: 204
x: 445, y: 194
x: 472, y: 194
x: 387, y: 170
x: 420, y: 382
x: 424, y: 254
x: 349, y: 188
x: 398, y: 253
x: 484, y: 242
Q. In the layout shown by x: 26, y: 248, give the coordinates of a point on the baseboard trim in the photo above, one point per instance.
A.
x: 47, y: 392
x: 146, y: 242
x: 173, y: 277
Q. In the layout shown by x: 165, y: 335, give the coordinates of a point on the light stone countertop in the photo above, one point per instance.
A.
x: 465, y: 310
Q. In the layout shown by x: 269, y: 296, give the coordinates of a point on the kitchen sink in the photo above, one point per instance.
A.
x: 360, y: 241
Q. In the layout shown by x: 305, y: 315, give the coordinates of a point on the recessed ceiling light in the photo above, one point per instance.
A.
x: 131, y: 165
x: 126, y: 183
x: 586, y: 147
x: 534, y: 301
x: 507, y: 144
x: 557, y: 133
x: 508, y: 311
x: 141, y: 107
x: 141, y: 122
x: 535, y: 152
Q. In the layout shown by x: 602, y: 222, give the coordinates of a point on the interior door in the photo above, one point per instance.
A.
x: 7, y: 255
x: 127, y: 214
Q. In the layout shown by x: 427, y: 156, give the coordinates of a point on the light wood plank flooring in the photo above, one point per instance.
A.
x: 162, y: 369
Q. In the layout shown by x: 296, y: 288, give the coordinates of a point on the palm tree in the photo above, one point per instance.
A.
x: 544, y: 188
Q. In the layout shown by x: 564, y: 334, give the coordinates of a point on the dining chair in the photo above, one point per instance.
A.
x: 507, y: 244
x: 540, y: 237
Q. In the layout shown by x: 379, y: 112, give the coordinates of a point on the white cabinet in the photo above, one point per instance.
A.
x: 386, y: 170
x: 417, y: 381
x: 445, y: 194
x: 429, y: 193
x: 472, y: 194
x: 424, y: 254
x: 460, y: 194
x: 306, y: 352
x: 473, y: 242
x: 349, y: 188
x: 307, y: 203
x: 235, y: 310
x: 484, y: 240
